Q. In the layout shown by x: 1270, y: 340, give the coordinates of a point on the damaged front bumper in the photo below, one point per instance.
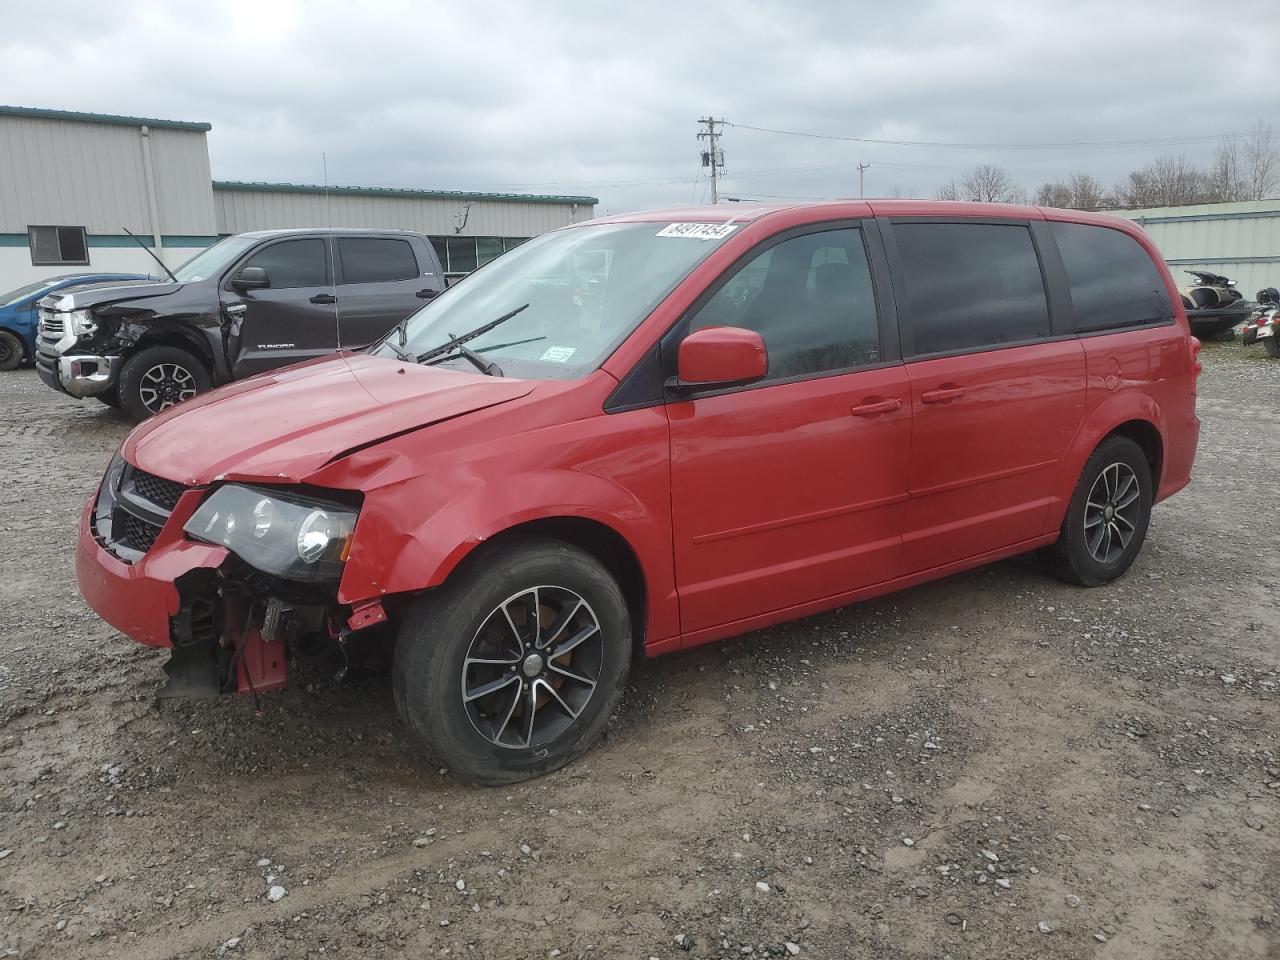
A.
x: 229, y: 628
x: 78, y: 376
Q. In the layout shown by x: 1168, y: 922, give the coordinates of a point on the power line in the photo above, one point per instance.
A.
x: 1067, y: 145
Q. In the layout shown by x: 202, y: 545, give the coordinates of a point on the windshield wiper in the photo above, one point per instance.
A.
x: 457, y: 343
x: 496, y: 346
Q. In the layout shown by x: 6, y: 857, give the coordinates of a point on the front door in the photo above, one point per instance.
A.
x: 997, y: 393
x: 792, y: 489
x: 293, y: 319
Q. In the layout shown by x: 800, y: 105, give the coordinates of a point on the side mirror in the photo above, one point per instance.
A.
x: 251, y: 278
x: 721, y: 357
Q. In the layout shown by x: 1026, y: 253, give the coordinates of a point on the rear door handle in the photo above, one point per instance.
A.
x: 324, y: 298
x: 426, y: 294
x: 942, y: 395
x: 872, y: 407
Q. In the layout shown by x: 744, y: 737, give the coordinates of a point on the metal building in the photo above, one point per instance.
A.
x: 1238, y: 240
x: 72, y: 184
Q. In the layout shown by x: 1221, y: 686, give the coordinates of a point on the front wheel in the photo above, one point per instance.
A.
x: 156, y: 378
x: 10, y: 350
x: 512, y: 667
x: 1107, y: 519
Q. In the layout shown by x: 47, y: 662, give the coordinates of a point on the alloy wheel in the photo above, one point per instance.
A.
x: 166, y: 384
x: 1111, y: 512
x: 532, y: 667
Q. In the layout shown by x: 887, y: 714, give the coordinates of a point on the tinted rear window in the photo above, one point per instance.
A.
x: 376, y: 259
x: 971, y: 285
x: 1113, y: 281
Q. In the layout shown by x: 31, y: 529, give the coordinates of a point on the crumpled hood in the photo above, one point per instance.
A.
x: 283, y: 426
x: 99, y: 294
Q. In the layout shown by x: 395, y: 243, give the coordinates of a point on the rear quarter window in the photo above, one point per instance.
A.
x: 971, y: 286
x: 1113, y: 281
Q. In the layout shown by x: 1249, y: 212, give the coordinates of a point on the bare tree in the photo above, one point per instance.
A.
x: 1087, y: 193
x: 985, y: 183
x: 1165, y: 182
x: 1055, y: 194
x: 1080, y: 191
x: 1246, y: 168
x: 991, y: 184
x: 1260, y: 164
x: 1224, y: 179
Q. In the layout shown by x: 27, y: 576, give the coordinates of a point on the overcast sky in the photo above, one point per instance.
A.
x: 603, y: 98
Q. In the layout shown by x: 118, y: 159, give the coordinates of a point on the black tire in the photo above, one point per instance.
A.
x: 1272, y: 346
x: 11, y: 351
x: 433, y: 665
x: 1078, y: 556
x: 109, y: 397
x: 156, y: 378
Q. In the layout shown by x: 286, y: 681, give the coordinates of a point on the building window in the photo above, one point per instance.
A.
x: 487, y: 248
x: 461, y: 255
x: 51, y: 246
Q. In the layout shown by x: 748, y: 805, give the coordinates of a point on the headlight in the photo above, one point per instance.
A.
x: 286, y: 534
x: 80, y: 322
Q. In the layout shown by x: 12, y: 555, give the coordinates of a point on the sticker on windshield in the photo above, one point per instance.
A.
x: 698, y: 231
x: 558, y: 354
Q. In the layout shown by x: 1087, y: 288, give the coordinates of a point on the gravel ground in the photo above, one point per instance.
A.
x: 994, y: 765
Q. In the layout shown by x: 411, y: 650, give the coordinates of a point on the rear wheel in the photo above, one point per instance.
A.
x: 512, y: 667
x: 1106, y: 522
x: 156, y: 378
x: 1272, y: 346
x: 10, y: 350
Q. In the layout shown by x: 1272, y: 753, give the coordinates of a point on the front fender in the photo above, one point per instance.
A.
x: 1115, y: 409
x: 424, y: 555
x: 388, y: 558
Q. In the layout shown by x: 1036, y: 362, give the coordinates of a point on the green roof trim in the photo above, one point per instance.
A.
x: 238, y: 185
x: 42, y: 113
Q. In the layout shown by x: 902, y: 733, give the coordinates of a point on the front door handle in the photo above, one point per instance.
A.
x: 942, y: 395
x: 873, y: 407
x: 324, y: 298
x: 426, y: 294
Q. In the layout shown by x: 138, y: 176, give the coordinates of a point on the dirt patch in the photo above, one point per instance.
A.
x: 936, y: 773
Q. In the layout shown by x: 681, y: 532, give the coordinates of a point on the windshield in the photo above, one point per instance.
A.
x: 586, y: 288
x: 21, y: 293
x: 213, y: 260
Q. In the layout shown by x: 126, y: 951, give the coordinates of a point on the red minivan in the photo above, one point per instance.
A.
x: 646, y: 432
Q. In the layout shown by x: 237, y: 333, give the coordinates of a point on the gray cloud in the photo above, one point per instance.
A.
x: 585, y: 97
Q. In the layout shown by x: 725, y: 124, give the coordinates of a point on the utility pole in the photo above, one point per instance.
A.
x: 713, y: 156
x: 862, y: 167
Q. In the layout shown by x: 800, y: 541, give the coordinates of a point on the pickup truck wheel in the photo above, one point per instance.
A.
x: 10, y: 350
x: 156, y: 378
x: 512, y: 667
x: 1107, y: 519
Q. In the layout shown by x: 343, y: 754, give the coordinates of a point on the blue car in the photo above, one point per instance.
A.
x: 18, y: 312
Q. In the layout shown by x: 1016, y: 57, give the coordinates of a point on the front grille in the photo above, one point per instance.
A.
x: 129, y: 519
x: 51, y: 324
x: 159, y: 491
x: 134, y: 532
